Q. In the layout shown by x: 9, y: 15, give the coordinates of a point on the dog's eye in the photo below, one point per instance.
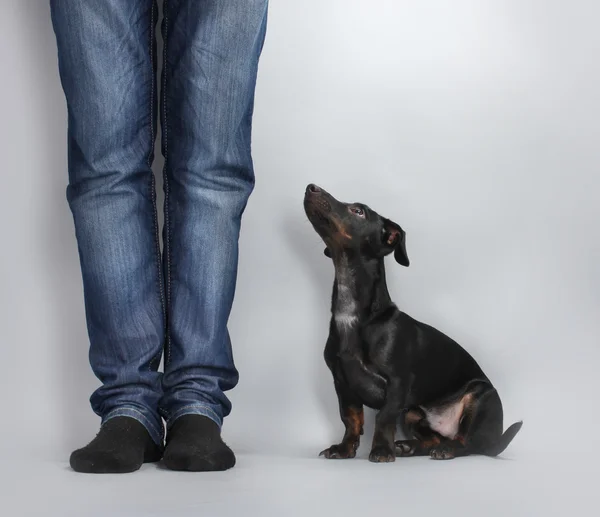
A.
x: 358, y: 211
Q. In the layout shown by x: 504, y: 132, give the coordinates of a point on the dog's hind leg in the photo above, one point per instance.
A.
x: 448, y: 450
x: 458, y: 445
x: 407, y: 448
x: 426, y: 441
x: 424, y: 438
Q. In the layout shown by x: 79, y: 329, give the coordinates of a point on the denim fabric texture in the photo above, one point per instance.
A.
x: 141, y: 300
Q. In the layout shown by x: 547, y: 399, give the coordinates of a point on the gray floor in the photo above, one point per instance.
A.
x: 266, y: 486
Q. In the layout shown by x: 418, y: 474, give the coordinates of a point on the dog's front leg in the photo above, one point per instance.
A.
x: 383, y: 449
x: 352, y: 415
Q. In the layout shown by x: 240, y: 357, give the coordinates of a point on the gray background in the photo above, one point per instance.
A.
x: 475, y: 125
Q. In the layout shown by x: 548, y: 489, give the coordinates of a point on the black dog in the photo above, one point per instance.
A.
x: 382, y: 358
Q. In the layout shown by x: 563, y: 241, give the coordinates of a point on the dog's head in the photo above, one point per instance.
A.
x: 353, y: 226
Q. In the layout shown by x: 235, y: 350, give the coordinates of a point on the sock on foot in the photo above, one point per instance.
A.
x: 194, y: 443
x: 121, y: 446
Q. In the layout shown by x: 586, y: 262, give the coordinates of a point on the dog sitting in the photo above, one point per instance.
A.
x: 382, y: 358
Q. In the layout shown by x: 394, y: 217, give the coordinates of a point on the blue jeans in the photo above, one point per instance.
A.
x: 137, y: 302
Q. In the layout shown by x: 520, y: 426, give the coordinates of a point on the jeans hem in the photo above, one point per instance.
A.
x: 157, y: 434
x: 195, y: 409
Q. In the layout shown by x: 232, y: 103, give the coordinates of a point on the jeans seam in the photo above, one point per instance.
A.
x: 193, y: 406
x: 115, y: 413
x: 165, y: 136
x: 152, y: 179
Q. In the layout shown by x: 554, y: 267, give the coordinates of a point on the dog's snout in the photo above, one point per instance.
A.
x: 313, y: 189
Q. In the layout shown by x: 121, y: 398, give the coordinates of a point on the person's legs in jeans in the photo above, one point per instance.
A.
x: 212, y: 50
x: 106, y: 58
x: 107, y: 63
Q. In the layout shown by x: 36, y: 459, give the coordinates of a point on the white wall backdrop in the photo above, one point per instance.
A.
x: 475, y: 125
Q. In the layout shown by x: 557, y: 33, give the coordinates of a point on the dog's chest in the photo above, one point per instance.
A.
x: 345, y: 309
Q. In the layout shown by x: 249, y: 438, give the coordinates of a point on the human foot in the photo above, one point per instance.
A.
x: 121, y: 446
x: 194, y: 443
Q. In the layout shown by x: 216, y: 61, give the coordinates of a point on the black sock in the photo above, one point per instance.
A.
x: 121, y: 445
x: 194, y: 443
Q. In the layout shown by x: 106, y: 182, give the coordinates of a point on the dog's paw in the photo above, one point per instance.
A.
x: 382, y: 454
x: 442, y: 453
x: 341, y: 451
x: 406, y: 448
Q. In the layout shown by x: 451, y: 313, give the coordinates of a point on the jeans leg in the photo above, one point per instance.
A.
x: 106, y: 51
x: 212, y: 49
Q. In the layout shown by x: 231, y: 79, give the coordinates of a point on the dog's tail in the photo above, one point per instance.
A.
x: 505, y: 439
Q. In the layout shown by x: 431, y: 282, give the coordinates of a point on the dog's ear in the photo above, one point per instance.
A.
x: 327, y: 253
x: 394, y: 237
